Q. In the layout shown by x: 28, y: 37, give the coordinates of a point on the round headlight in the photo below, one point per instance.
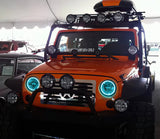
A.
x: 101, y: 18
x: 118, y: 17
x: 32, y: 84
x: 71, y: 18
x: 47, y: 81
x: 86, y: 18
x: 107, y: 88
x: 132, y: 50
x: 51, y: 50
x: 121, y: 105
x: 67, y: 82
x: 12, y: 98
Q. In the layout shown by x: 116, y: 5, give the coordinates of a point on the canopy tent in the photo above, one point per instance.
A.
x: 30, y: 13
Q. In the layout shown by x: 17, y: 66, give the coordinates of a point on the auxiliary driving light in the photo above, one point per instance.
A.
x: 12, y: 98
x: 121, y: 105
x: 47, y: 81
x: 107, y: 88
x: 71, y: 18
x: 51, y: 50
x: 86, y: 18
x: 118, y: 17
x: 132, y: 50
x: 101, y: 18
x: 67, y: 82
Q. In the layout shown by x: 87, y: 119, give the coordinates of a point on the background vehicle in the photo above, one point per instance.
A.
x: 90, y: 86
x: 7, y: 46
x: 12, y: 65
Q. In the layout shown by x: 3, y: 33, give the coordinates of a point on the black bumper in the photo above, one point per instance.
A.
x: 71, y: 124
x: 105, y: 118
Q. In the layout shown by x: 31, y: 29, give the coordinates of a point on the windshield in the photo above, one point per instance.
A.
x: 110, y: 42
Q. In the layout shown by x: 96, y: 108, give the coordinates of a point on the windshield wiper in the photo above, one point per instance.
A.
x: 112, y: 57
x: 98, y: 55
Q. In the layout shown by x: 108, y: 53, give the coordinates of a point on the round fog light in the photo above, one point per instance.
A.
x: 47, y: 81
x: 67, y: 82
x: 121, y: 105
x: 12, y: 98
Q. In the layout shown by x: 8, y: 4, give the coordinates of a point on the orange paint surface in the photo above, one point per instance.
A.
x: 111, y: 2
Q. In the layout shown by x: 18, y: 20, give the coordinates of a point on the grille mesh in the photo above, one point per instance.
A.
x: 74, y: 97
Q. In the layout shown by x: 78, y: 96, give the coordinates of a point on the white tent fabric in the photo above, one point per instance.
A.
x: 30, y: 13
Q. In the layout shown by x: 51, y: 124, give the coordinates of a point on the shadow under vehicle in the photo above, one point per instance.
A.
x: 96, y: 81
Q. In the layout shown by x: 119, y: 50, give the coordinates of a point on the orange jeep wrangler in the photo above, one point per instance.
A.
x: 97, y: 80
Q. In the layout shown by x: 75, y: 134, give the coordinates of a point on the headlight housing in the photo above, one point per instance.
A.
x: 107, y: 88
x: 47, y: 81
x: 67, y: 82
x: 32, y: 84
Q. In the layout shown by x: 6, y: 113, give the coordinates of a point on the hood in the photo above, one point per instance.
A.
x: 101, y: 67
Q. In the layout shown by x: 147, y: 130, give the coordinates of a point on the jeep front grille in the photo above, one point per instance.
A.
x: 74, y: 97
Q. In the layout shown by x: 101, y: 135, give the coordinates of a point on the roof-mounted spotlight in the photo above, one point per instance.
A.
x: 101, y: 18
x: 71, y: 18
x: 118, y: 17
x: 86, y: 18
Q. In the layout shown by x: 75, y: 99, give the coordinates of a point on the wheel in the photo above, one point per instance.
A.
x: 142, y: 125
x: 12, y: 124
x: 1, y: 116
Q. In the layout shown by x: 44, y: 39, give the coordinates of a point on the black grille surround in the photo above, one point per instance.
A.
x: 77, y: 96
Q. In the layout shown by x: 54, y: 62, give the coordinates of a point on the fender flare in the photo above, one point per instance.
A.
x: 15, y: 83
x: 2, y: 100
x: 135, y: 87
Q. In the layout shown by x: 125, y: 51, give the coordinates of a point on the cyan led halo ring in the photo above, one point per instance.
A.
x: 32, y: 84
x: 109, y: 91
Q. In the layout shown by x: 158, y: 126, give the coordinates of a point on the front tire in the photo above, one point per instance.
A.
x: 12, y: 124
x: 142, y: 125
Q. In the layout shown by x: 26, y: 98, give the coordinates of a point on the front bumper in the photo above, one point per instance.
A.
x: 105, y: 118
x: 70, y: 123
x: 73, y: 117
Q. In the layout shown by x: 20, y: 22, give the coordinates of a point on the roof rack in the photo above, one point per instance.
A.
x: 131, y: 24
x: 111, y: 13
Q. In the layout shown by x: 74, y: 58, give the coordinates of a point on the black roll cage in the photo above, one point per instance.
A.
x: 129, y: 24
